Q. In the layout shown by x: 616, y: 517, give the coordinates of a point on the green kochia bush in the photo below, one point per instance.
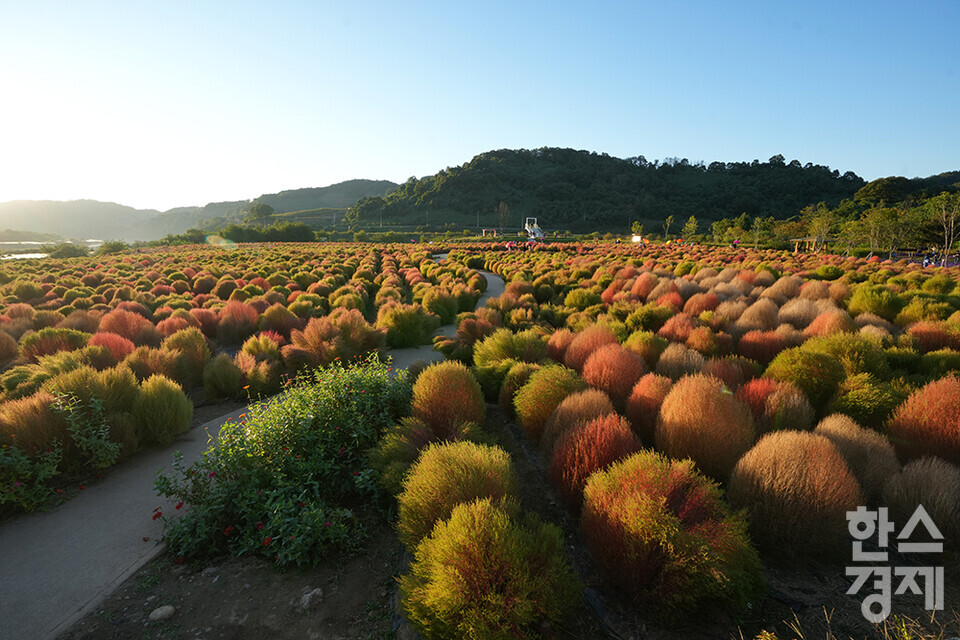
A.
x: 286, y: 482
x: 482, y: 575
x: 161, y: 411
x: 446, y: 475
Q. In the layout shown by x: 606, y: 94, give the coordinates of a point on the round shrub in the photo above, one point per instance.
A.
x: 236, y: 322
x: 615, y: 370
x: 118, y: 346
x: 867, y: 400
x: 584, y: 449
x: 875, y: 299
x: 856, y: 352
x: 816, y: 374
x: 585, y: 343
x: 537, y: 399
x: 194, y: 352
x: 446, y: 395
x: 161, y: 411
x: 222, y: 379
x: 577, y: 408
x: 796, y: 488
x: 700, y: 419
x: 786, y: 408
x: 927, y: 481
x: 732, y: 370
x: 662, y: 532
x: 643, y: 405
x: 580, y: 299
x: 445, y: 475
x: 482, y: 575
x: 401, y: 444
x: 407, y: 325
x: 940, y: 363
x: 761, y: 346
x: 869, y: 455
x: 928, y: 422
x: 558, y: 343
x: 647, y: 345
x: 679, y: 360
x: 516, y: 377
x: 49, y: 340
x: 132, y: 326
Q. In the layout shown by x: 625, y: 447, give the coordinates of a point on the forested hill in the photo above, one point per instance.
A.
x: 579, y: 189
x: 215, y: 214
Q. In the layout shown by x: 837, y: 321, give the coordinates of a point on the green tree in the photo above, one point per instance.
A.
x: 945, y: 209
x: 637, y: 228
x: 666, y: 226
x: 690, y: 228
x: 260, y: 213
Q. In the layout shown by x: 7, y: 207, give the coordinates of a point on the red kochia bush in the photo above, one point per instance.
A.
x: 577, y: 408
x: 587, y: 448
x: 700, y: 302
x: 558, y: 343
x: 132, y: 326
x: 678, y: 327
x: 762, y: 346
x: 661, y: 531
x: 116, y: 344
x: 928, y: 422
x: 585, y: 343
x: 171, y: 325
x: 446, y: 395
x: 615, y: 370
x: 238, y: 321
x: 643, y: 405
x: 933, y: 336
x: 702, y: 420
x: 208, y: 320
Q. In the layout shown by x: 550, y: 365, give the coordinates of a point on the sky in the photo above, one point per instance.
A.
x: 175, y: 103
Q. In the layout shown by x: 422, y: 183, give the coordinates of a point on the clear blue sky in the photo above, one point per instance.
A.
x: 166, y: 103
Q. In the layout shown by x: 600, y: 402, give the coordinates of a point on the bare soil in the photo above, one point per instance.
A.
x: 247, y: 598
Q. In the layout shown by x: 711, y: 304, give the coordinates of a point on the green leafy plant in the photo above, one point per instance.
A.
x: 290, y: 480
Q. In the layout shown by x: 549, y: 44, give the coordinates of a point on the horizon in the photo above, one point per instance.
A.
x: 174, y: 105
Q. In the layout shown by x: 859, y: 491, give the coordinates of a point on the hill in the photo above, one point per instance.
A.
x: 218, y: 214
x: 581, y: 190
x: 81, y: 219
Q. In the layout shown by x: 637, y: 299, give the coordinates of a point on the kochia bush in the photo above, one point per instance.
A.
x: 445, y: 475
x: 446, y: 395
x: 614, y: 370
x: 584, y: 449
x: 537, y: 399
x: 662, y: 532
x: 796, y: 488
x: 702, y: 420
x: 927, y: 422
x: 481, y: 574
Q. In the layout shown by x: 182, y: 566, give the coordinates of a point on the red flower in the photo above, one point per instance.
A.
x: 212, y: 473
x: 259, y: 526
x: 81, y: 487
x: 267, y: 541
x: 356, y: 473
x: 179, y: 504
x: 228, y: 531
x: 179, y: 560
x: 158, y: 514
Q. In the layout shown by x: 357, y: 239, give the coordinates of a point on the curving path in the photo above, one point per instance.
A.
x: 57, y: 566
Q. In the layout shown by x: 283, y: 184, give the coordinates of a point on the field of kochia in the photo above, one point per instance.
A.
x: 699, y: 410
